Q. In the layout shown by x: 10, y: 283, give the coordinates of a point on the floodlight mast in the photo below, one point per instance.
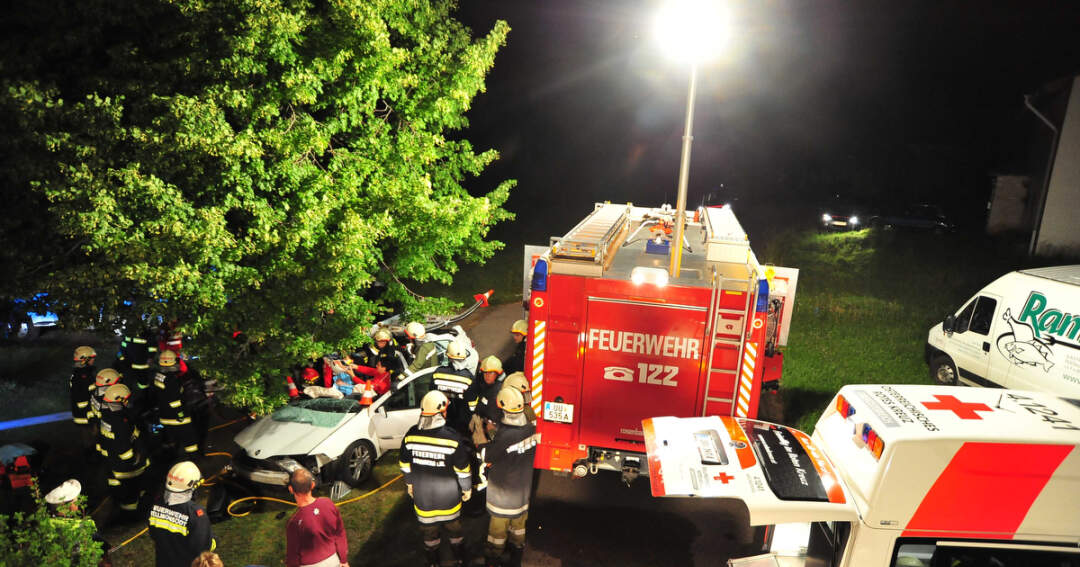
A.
x: 684, y: 175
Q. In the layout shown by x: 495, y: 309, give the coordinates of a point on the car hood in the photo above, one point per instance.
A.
x: 268, y: 438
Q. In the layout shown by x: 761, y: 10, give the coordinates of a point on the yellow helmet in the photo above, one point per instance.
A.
x: 107, y: 377
x: 491, y: 364
x: 415, y: 330
x: 85, y: 354
x: 433, y: 402
x: 520, y: 327
x: 383, y: 335
x: 517, y: 380
x: 510, y: 400
x: 166, y: 359
x: 455, y: 351
x: 183, y: 476
x: 117, y: 394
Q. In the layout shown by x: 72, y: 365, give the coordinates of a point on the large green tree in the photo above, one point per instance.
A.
x: 285, y: 168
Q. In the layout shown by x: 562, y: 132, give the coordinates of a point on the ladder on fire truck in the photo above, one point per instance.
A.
x: 596, y: 237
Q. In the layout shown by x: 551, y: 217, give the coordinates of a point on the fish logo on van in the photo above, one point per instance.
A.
x: 1021, y: 345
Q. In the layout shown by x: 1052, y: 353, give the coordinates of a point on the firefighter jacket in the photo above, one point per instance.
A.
x: 516, y: 362
x: 82, y: 380
x: 136, y: 352
x: 168, y: 396
x: 481, y: 398
x: 180, y: 533
x: 454, y: 382
x: 96, y: 396
x: 118, y: 438
x: 508, y: 459
x: 372, y: 354
x: 426, y: 356
x: 436, y: 463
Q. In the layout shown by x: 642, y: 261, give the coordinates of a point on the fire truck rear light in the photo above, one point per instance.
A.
x: 642, y: 275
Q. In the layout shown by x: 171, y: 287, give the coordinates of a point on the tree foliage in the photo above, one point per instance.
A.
x: 283, y: 168
x: 36, y: 538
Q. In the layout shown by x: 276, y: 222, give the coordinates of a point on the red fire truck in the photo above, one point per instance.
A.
x: 614, y: 339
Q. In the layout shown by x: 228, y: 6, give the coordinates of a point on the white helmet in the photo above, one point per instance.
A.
x: 66, y: 492
x: 433, y: 402
x: 382, y: 335
x: 491, y: 364
x: 183, y: 476
x: 517, y: 380
x: 520, y: 327
x: 415, y: 330
x: 454, y: 351
x: 510, y: 400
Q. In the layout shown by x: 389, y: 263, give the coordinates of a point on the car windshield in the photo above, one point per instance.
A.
x: 320, y: 412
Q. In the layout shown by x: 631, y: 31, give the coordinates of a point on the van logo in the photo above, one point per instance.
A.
x: 1021, y: 345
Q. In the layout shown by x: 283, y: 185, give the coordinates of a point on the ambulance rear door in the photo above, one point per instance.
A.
x: 641, y: 359
x: 776, y: 471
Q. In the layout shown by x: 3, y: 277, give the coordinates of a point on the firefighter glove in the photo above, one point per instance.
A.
x: 409, y: 487
x: 465, y: 496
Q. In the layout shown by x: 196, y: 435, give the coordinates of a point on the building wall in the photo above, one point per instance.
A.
x: 1008, y: 205
x: 1058, y: 233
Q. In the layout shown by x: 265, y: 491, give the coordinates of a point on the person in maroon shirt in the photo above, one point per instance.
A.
x: 315, y: 536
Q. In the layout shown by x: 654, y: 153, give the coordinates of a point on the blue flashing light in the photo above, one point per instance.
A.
x: 539, y: 276
x: 762, y: 296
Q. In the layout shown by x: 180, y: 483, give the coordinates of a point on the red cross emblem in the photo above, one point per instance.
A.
x: 962, y: 410
x: 723, y: 477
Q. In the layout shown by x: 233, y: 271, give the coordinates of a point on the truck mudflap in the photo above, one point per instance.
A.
x: 776, y: 471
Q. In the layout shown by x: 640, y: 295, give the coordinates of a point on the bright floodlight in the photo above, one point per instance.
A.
x: 692, y: 30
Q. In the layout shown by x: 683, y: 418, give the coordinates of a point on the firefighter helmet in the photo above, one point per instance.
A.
x: 85, y: 354
x: 117, y: 394
x: 455, y: 351
x: 167, y: 359
x: 66, y: 492
x: 520, y: 327
x: 517, y: 380
x: 433, y: 402
x: 183, y: 476
x: 491, y: 364
x: 107, y: 377
x: 511, y: 400
x: 383, y: 335
x: 415, y: 330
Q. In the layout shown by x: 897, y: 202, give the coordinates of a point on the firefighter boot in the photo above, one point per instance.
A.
x: 516, y: 553
x: 461, y: 555
x: 431, y: 556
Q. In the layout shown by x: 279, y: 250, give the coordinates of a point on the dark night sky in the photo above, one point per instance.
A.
x: 877, y: 100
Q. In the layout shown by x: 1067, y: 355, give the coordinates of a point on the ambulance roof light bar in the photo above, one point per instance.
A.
x: 863, y: 434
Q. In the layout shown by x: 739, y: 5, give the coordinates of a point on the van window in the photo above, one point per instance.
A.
x: 923, y: 553
x: 964, y: 317
x: 983, y: 316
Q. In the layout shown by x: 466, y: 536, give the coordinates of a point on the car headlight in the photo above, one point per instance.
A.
x: 826, y: 217
x: 854, y: 220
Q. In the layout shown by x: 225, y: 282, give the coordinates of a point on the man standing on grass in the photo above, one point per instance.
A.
x: 315, y: 536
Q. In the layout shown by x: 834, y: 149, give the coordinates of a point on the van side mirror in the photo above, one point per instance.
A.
x: 949, y: 324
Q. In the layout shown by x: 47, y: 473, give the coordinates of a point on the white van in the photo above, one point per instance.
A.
x: 1022, y: 331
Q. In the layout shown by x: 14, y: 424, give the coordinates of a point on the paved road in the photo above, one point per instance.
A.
x: 600, y: 521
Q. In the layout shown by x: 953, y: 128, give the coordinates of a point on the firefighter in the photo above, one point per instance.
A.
x: 481, y: 397
x: 381, y: 349
x: 424, y: 353
x: 66, y: 518
x: 173, y: 415
x: 517, y: 380
x: 179, y: 527
x: 82, y: 380
x: 454, y: 379
x: 435, y: 461
x: 516, y: 362
x: 136, y: 351
x: 508, y: 466
x: 105, y: 378
x: 119, y: 436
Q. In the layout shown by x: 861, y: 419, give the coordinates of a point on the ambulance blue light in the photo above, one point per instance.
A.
x: 539, y: 276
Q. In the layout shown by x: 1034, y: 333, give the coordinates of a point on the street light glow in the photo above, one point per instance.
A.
x: 692, y: 30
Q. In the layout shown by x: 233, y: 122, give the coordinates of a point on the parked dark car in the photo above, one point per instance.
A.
x: 921, y: 217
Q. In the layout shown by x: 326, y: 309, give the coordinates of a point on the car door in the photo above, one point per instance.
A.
x: 393, y: 415
x: 972, y: 342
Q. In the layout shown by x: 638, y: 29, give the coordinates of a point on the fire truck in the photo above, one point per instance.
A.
x: 893, y: 476
x: 614, y: 337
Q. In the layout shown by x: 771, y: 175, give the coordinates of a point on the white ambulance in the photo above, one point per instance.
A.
x: 1019, y: 332
x: 893, y: 476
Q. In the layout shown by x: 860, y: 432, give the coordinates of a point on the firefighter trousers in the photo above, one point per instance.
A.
x: 501, y: 530
x: 432, y: 533
x: 126, y: 488
x: 183, y: 434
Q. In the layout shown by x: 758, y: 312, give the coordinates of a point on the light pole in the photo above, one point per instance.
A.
x: 694, y: 31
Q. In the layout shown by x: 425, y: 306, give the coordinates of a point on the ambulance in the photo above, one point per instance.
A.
x: 614, y: 337
x: 1022, y: 331
x: 893, y: 476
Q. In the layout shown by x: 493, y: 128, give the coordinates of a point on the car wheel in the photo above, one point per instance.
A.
x: 943, y: 371
x: 357, y: 462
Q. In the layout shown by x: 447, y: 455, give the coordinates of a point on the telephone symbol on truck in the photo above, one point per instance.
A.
x: 646, y: 374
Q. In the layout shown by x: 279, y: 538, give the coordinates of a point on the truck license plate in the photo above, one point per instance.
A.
x: 558, y: 412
